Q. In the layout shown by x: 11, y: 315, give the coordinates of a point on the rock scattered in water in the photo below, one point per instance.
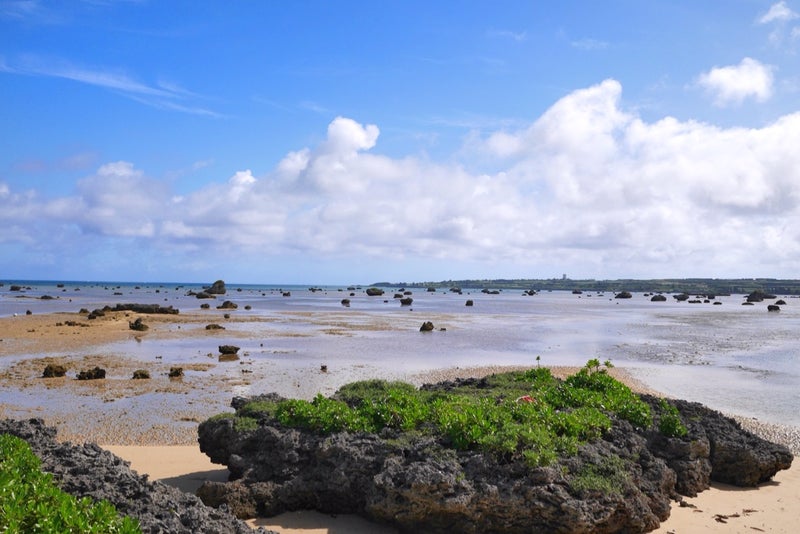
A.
x: 54, y: 370
x: 92, y: 374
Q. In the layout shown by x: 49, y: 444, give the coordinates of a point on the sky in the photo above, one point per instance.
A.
x: 316, y: 142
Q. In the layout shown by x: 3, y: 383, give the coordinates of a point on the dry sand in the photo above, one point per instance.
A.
x: 167, y: 450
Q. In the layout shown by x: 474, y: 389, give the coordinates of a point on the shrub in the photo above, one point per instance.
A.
x: 670, y: 423
x: 523, y: 415
x: 31, y: 502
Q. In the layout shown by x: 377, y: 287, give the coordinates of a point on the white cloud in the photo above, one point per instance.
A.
x: 588, y: 187
x: 778, y: 12
x: 735, y: 83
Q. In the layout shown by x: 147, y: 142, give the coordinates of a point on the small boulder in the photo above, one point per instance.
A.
x: 54, y: 370
x: 374, y: 291
x: 773, y: 308
x: 217, y: 288
x: 92, y: 374
x: 141, y: 374
x: 227, y: 305
x: 214, y: 326
x: 427, y: 326
x: 176, y: 372
x: 623, y: 295
x: 138, y: 325
x: 469, y: 303
x: 658, y: 298
x: 228, y: 349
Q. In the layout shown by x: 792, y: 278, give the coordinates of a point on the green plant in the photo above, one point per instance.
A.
x: 670, y: 423
x: 31, y: 502
x: 526, y: 415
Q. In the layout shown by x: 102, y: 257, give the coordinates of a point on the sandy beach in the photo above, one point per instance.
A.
x: 152, y: 423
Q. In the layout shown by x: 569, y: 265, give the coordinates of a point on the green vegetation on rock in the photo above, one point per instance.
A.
x: 30, y: 502
x: 526, y: 415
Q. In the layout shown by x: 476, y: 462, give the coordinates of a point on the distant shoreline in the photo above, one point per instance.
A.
x: 699, y: 286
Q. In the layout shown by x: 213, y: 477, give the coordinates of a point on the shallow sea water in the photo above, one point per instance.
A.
x: 738, y: 359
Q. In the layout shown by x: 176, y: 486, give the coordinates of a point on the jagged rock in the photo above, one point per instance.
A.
x: 217, y: 288
x: 138, y: 325
x: 175, y: 372
x: 54, y: 370
x: 141, y: 374
x: 89, y: 471
x: 92, y: 374
x: 416, y: 484
x: 427, y: 326
x: 228, y: 349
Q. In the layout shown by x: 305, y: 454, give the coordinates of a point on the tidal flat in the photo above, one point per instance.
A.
x: 738, y: 359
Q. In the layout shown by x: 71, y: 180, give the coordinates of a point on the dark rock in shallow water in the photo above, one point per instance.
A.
x: 54, y: 370
x: 427, y: 326
x: 89, y: 471
x: 658, y: 298
x: 92, y: 374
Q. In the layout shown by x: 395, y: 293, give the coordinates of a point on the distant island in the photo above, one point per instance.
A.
x: 699, y: 286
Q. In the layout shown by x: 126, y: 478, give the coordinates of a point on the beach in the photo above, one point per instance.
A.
x: 153, y: 422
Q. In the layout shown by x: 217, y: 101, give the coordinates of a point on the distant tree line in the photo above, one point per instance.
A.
x: 695, y: 286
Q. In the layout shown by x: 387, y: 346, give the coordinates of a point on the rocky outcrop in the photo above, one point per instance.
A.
x: 217, y: 288
x: 89, y: 471
x: 415, y: 483
x: 137, y: 308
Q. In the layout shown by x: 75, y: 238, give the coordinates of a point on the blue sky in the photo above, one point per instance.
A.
x: 338, y: 142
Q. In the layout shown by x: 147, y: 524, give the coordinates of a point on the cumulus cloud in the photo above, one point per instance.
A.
x: 587, y: 187
x: 735, y: 83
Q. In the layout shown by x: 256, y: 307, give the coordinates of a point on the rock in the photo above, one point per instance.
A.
x: 427, y: 326
x: 414, y: 483
x: 577, y: 292
x: 773, y: 308
x: 92, y: 374
x: 780, y: 302
x: 759, y: 296
x: 141, y: 374
x: 214, y: 326
x: 175, y: 372
x: 623, y: 295
x: 374, y: 291
x: 228, y: 349
x: 89, y: 471
x: 203, y: 295
x: 54, y: 370
x: 658, y: 298
x: 406, y: 301
x: 138, y: 325
x: 205, y: 306
x: 217, y: 288
x: 680, y: 297
x: 345, y: 303
x: 469, y: 303
x: 228, y: 305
